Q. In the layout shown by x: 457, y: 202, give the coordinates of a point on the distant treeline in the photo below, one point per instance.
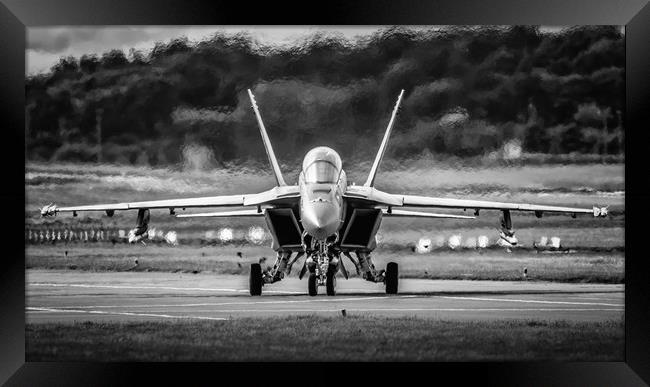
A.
x: 469, y: 91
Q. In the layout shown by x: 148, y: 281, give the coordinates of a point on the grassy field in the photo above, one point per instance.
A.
x: 598, y: 243
x: 313, y: 338
x: 487, y: 264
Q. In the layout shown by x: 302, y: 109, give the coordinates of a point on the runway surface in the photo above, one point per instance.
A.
x: 66, y: 296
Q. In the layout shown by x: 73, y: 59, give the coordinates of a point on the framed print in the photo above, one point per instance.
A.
x: 439, y: 185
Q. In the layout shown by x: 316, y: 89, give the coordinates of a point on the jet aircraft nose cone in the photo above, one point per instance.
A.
x: 320, y: 219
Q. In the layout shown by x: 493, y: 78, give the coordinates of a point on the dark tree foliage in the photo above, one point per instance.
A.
x: 88, y: 63
x: 113, y: 59
x: 468, y: 91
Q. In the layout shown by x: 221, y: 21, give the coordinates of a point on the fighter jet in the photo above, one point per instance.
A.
x: 322, y: 217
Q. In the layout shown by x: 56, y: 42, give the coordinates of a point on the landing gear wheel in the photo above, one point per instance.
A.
x: 391, y: 278
x: 311, y: 284
x: 255, y: 279
x: 330, y: 280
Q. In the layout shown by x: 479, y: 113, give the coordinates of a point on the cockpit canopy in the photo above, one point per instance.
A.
x: 322, y: 165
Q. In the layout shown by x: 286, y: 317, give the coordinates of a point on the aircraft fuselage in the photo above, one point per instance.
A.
x: 322, y: 183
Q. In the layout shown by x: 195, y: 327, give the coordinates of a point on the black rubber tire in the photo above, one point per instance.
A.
x: 312, y: 287
x: 392, y: 278
x: 255, y: 279
x: 330, y: 280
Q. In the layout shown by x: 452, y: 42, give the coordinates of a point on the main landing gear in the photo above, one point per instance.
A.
x: 323, y: 265
x: 365, y: 268
x: 255, y: 279
x: 391, y: 278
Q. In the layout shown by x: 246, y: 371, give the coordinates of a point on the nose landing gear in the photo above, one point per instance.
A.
x: 323, y: 266
x: 322, y: 272
x: 312, y: 285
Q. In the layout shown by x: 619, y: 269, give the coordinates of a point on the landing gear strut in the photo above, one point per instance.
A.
x: 257, y: 277
x: 390, y: 276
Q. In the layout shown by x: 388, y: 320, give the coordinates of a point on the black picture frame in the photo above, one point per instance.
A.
x: 16, y: 15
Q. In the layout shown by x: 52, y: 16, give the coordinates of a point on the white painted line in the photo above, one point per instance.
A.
x: 34, y: 309
x: 153, y: 287
x: 489, y: 309
x: 271, y: 311
x: 599, y: 298
x: 132, y: 287
x: 528, y: 301
x: 231, y: 303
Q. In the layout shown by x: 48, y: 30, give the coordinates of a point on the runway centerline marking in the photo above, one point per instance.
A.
x: 529, y: 301
x: 35, y: 309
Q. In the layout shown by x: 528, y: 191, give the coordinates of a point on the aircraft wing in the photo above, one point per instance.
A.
x: 419, y: 214
x: 433, y: 202
x: 373, y: 196
x: 222, y: 214
x: 272, y: 196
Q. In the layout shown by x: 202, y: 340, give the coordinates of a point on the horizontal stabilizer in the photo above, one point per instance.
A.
x: 419, y: 214
x: 222, y: 214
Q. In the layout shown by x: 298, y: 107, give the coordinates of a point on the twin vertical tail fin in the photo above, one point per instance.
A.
x: 274, y: 162
x: 382, y: 148
x: 267, y: 143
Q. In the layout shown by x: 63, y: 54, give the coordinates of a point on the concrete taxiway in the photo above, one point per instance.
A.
x: 66, y: 296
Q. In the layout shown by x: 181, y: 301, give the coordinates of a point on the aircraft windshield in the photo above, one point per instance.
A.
x: 322, y: 165
x: 321, y: 171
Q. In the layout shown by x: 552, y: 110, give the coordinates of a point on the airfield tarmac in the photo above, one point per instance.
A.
x: 66, y: 296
